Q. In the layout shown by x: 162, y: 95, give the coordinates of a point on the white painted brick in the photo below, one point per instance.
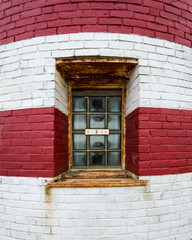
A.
x: 157, y: 42
x: 87, y: 52
x: 165, y: 51
x: 81, y: 36
x: 160, y: 234
x: 144, y: 47
x: 130, y: 38
x: 121, y: 45
x: 62, y: 53
x: 57, y: 38
x: 112, y: 52
x: 34, y: 41
x: 103, y: 36
x: 96, y: 44
x: 170, y: 63
x: 49, y: 46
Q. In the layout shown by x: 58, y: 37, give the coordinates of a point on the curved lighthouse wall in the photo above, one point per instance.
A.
x: 34, y: 119
x: 163, y: 207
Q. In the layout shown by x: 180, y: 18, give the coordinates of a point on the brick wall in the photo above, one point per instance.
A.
x: 163, y: 209
x: 158, y: 141
x: 28, y: 80
x: 33, y: 142
x: 170, y: 20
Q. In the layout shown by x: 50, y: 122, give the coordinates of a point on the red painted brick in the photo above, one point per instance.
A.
x: 49, y: 31
x: 84, y: 21
x: 178, y: 163
x: 84, y: 5
x: 159, y: 164
x: 95, y: 5
x: 64, y: 7
x: 157, y: 27
x: 110, y: 21
x: 169, y: 16
x: 31, y: 13
x: 120, y: 6
x: 32, y: 149
x: 47, y: 10
x: 145, y: 32
x: 46, y: 17
x: 144, y: 17
x: 90, y: 28
x: 121, y: 14
x: 172, y: 125
x: 172, y: 9
x: 176, y: 32
x: 183, y: 41
x: 134, y: 23
x: 74, y: 29
x: 166, y: 150
x: 153, y: 4
x: 136, y: 8
x: 177, y: 133
x: 34, y: 4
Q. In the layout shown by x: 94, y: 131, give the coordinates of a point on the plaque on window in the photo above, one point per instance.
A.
x: 96, y: 131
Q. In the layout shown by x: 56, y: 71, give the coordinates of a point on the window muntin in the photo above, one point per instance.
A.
x: 96, y: 109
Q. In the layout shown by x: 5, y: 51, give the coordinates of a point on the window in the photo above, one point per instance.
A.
x: 96, y: 110
x: 96, y: 128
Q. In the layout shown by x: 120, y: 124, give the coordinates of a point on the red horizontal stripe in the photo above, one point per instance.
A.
x: 161, y: 19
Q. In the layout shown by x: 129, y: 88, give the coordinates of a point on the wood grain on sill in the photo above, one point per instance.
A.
x: 95, y: 179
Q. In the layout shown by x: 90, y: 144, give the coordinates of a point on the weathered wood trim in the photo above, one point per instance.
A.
x: 110, y: 182
x: 70, y: 126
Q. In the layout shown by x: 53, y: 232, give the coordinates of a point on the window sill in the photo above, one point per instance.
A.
x: 113, y: 178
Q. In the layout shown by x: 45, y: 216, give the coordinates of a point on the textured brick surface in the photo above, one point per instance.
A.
x: 158, y: 141
x: 162, y: 79
x: 170, y: 20
x: 33, y: 142
x: 162, y: 208
x: 28, y: 77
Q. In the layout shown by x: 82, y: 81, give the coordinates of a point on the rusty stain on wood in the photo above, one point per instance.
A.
x: 96, y: 179
x: 96, y: 73
x: 89, y: 70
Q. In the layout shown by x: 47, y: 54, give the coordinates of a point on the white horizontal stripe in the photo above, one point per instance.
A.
x: 163, y: 77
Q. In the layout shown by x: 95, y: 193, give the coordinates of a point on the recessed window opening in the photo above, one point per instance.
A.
x: 96, y: 128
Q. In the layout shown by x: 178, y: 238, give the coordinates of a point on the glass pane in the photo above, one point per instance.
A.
x: 79, y: 158
x: 79, y: 141
x: 97, y: 142
x: 114, y: 122
x: 114, y: 141
x: 79, y: 104
x: 97, y: 159
x: 79, y: 122
x: 114, y: 104
x: 114, y: 159
x: 97, y: 104
x: 97, y: 121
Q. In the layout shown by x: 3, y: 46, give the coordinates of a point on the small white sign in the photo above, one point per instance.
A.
x: 96, y: 131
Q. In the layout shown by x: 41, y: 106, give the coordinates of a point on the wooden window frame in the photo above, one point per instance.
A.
x: 89, y: 87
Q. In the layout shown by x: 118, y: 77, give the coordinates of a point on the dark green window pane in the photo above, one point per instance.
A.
x: 114, y: 141
x: 114, y: 104
x: 97, y: 121
x: 79, y: 122
x: 79, y: 141
x: 114, y: 122
x: 97, y: 104
x: 79, y: 159
x: 97, y: 142
x: 97, y: 159
x: 79, y: 104
x: 114, y: 159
